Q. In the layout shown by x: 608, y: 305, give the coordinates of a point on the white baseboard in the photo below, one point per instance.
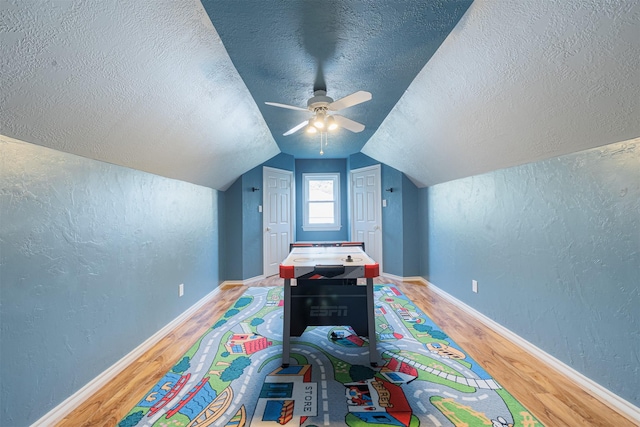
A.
x: 58, y: 413
x: 242, y: 282
x: 601, y: 393
x: 403, y: 279
x: 232, y: 283
x: 253, y: 279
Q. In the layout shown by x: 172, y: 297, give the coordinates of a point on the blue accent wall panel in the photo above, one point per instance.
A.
x: 392, y: 235
x: 91, y: 256
x: 321, y: 166
x: 252, y: 233
x: 410, y: 229
x: 281, y: 161
x: 360, y: 160
x: 222, y: 235
x: 233, y: 249
x: 423, y: 232
x: 555, y: 248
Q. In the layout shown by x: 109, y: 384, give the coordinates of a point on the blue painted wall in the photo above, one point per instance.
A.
x: 423, y: 232
x: 221, y: 220
x: 410, y: 228
x: 322, y: 166
x: 281, y: 161
x: 360, y: 160
x: 243, y: 227
x: 555, y: 247
x: 252, y: 224
x: 400, y: 237
x: 392, y: 234
x: 232, y: 248
x: 91, y: 255
x: 243, y: 250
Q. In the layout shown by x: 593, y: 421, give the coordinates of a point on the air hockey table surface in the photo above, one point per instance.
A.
x: 314, y: 259
x: 326, y: 291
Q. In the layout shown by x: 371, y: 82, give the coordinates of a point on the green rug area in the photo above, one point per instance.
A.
x: 233, y: 376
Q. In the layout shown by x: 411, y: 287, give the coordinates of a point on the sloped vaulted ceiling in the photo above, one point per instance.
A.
x: 142, y: 84
x: 516, y: 82
x: 285, y: 50
x: 459, y: 88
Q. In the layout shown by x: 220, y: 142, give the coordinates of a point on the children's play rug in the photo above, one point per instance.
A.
x: 233, y: 376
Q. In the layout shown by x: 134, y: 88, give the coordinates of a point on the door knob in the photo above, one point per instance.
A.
x: 268, y: 229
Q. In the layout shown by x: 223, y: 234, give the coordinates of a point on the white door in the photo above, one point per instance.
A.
x: 366, y: 210
x: 276, y: 217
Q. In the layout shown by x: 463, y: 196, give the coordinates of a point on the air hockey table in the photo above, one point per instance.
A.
x: 326, y: 291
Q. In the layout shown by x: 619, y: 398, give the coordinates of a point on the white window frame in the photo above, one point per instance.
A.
x: 333, y: 176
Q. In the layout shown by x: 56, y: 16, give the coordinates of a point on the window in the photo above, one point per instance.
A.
x: 321, y: 208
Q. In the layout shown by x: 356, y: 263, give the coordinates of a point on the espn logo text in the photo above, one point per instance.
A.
x: 328, y: 310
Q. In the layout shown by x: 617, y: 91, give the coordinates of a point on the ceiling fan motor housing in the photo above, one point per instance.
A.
x: 320, y: 100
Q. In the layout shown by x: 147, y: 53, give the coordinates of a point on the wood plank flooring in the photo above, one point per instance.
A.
x: 553, y: 398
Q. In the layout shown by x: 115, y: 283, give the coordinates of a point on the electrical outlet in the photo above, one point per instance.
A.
x: 474, y: 286
x: 181, y: 289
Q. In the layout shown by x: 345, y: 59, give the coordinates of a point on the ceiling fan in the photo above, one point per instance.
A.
x: 320, y: 105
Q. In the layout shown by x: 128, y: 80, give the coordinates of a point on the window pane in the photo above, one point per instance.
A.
x: 321, y: 189
x: 321, y: 208
x: 321, y: 213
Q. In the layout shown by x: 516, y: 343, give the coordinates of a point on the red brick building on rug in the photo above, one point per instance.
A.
x: 246, y: 343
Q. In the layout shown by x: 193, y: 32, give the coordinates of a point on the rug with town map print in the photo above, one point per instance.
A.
x: 233, y: 376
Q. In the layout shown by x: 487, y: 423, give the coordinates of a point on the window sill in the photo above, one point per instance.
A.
x: 321, y: 228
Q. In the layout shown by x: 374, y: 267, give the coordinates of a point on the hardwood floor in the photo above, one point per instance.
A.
x: 553, y: 398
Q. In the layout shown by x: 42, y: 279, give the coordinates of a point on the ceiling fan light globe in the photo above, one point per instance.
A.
x: 318, y: 121
x: 311, y: 128
x: 331, y: 123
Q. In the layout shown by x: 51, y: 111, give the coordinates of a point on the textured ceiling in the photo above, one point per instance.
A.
x: 142, y: 84
x: 458, y: 88
x: 285, y: 50
x: 516, y: 82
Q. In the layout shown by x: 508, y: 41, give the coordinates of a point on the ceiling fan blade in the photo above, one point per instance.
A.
x: 348, y: 124
x: 350, y: 100
x: 290, y: 107
x: 296, y: 129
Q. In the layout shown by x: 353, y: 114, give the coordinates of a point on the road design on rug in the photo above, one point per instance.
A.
x: 232, y: 376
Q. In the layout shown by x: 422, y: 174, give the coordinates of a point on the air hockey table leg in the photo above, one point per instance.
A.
x: 371, y: 324
x: 286, y: 329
